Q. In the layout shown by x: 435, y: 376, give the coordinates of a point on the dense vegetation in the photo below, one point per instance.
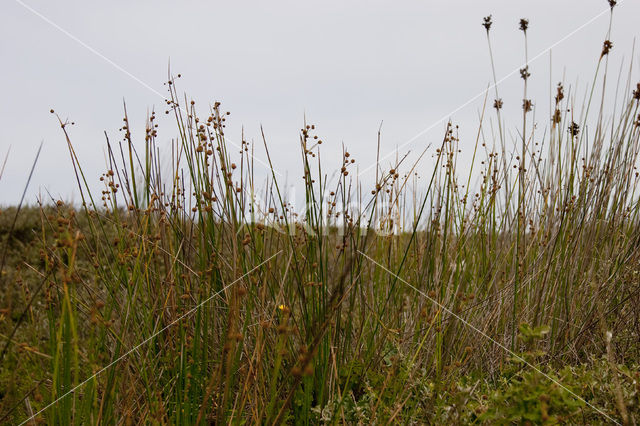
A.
x: 175, y: 297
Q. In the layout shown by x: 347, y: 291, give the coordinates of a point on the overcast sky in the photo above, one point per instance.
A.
x: 346, y: 65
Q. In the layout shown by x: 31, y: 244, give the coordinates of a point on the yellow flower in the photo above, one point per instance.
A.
x: 284, y: 309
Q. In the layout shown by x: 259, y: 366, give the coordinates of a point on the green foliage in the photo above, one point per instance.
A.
x: 531, y: 397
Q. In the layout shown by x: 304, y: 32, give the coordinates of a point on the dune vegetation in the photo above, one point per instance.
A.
x: 192, y: 291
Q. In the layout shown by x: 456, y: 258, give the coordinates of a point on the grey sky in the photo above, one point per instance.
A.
x: 347, y: 65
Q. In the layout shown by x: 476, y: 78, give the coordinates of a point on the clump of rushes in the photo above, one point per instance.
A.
x: 190, y: 290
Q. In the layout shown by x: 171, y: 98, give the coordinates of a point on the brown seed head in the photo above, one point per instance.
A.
x: 559, y: 93
x: 636, y: 93
x: 606, y: 48
x: 524, y: 24
x: 574, y: 129
x: 487, y: 23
